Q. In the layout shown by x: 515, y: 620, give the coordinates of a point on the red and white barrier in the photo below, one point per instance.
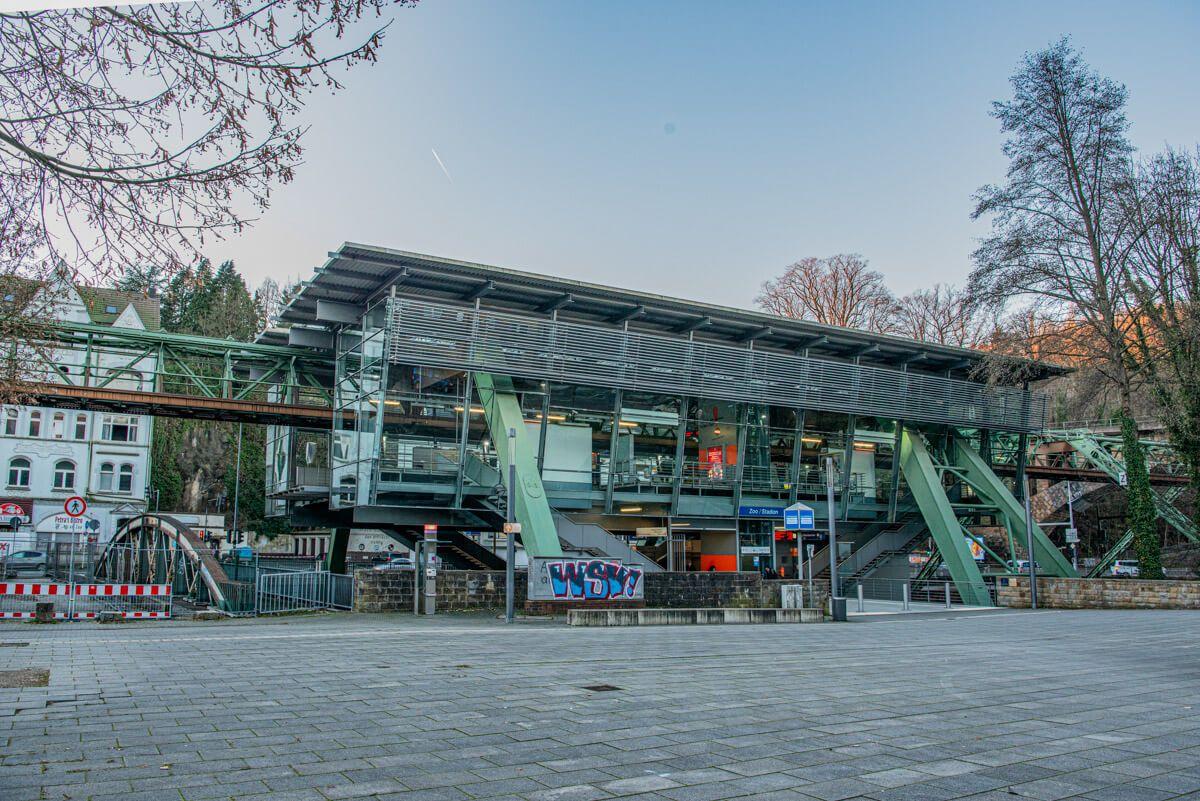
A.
x: 18, y: 599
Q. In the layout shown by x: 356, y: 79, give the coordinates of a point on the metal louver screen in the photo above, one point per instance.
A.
x: 454, y: 337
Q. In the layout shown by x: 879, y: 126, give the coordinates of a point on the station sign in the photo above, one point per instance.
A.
x: 760, y: 511
x: 799, y: 517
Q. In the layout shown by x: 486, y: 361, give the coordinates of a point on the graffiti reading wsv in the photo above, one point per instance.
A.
x: 593, y: 579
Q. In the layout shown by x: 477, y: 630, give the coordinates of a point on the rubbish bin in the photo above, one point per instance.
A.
x: 837, y: 609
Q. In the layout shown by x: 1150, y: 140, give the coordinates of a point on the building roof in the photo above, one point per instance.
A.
x: 358, y: 274
x: 99, y: 300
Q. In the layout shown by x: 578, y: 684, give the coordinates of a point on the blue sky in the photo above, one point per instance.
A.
x: 695, y: 149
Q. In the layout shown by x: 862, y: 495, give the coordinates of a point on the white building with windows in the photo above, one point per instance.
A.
x: 49, y: 455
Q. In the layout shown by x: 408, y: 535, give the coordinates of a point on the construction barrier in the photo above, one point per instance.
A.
x: 85, y: 601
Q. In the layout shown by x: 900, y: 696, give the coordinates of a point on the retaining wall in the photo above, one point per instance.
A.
x: 1083, y: 593
x: 392, y: 591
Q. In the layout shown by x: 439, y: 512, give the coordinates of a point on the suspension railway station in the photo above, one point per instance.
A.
x: 666, y: 433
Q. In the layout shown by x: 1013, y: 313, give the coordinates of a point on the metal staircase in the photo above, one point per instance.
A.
x: 590, y: 538
x: 885, y: 547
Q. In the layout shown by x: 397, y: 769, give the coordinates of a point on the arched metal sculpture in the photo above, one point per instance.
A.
x: 159, y: 549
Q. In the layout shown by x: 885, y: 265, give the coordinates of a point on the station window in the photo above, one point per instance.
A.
x: 18, y: 473
x: 119, y: 428
x: 64, y: 475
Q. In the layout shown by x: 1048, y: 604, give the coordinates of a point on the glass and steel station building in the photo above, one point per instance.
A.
x: 663, y: 431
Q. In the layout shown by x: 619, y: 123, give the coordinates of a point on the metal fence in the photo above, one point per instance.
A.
x: 440, y: 335
x: 301, y: 591
x: 907, y: 591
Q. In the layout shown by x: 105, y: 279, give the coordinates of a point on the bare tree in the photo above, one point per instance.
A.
x: 1163, y: 274
x: 946, y: 315
x: 840, y: 290
x: 129, y: 135
x: 1059, y: 236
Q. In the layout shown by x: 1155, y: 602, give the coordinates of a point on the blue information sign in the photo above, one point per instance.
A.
x: 799, y: 517
x: 760, y: 511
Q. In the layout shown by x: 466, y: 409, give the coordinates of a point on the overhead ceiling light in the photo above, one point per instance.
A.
x: 811, y: 440
x: 474, y: 409
x: 681, y: 525
x: 631, y: 508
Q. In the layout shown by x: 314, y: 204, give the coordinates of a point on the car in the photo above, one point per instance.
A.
x: 1125, y: 568
x: 25, y: 560
x: 1022, y: 566
x: 397, y: 563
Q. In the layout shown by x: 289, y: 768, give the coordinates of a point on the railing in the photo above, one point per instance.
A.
x: 303, y: 590
x: 908, y: 591
x: 460, y: 338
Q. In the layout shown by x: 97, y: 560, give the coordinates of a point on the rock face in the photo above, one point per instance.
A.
x: 1066, y: 593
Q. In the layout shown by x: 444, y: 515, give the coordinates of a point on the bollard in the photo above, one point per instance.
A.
x: 860, y: 599
x: 947, y: 588
x: 904, y: 590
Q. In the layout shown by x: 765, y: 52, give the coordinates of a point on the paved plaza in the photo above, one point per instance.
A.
x: 1089, y: 704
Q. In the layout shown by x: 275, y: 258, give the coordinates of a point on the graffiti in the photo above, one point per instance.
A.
x: 593, y: 579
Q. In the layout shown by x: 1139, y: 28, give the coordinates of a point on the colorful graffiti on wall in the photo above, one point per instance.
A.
x: 593, y: 579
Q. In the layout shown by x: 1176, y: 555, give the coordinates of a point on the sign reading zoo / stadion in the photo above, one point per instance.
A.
x: 565, y: 579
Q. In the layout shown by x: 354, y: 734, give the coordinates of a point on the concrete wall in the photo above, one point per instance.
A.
x: 1064, y: 593
x: 392, y: 591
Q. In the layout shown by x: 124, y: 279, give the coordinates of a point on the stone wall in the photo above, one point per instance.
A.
x: 392, y: 591
x: 1066, y: 593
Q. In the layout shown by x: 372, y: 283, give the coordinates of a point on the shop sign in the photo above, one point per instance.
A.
x: 756, y: 549
x: 760, y: 511
x: 715, y: 456
x: 556, y: 579
x: 68, y: 524
x: 14, y: 513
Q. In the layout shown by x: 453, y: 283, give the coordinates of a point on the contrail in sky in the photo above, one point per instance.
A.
x: 440, y: 164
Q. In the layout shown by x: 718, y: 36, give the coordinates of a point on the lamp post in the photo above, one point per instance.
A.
x: 510, y: 516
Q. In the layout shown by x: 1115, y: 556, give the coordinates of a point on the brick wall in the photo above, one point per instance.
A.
x: 392, y: 591
x: 1065, y: 593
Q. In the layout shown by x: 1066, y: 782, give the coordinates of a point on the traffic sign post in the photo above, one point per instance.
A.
x: 75, y: 506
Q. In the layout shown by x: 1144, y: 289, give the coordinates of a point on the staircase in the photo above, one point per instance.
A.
x: 887, y: 546
x: 593, y: 539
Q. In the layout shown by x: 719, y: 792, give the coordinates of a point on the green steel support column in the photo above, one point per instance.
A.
x: 985, y: 446
x: 680, y: 441
x: 797, y: 455
x: 743, y: 422
x: 847, y: 458
x: 926, y: 485
x: 613, y: 439
x: 463, y: 434
x: 894, y: 489
x: 543, y: 429
x: 502, y: 410
x: 1022, y: 459
x: 335, y: 558
x: 991, y: 489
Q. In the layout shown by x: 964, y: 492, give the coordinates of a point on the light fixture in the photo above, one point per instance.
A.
x: 553, y: 418
x: 627, y: 424
x: 631, y: 508
x: 811, y: 440
x: 681, y: 525
x: 717, y: 426
x: 864, y: 446
x: 474, y: 409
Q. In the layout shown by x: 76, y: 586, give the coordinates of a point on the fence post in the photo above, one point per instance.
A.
x: 904, y: 590
x: 860, y: 599
x: 947, y: 588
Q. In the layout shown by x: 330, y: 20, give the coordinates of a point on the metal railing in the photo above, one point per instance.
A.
x: 905, y: 592
x: 454, y: 337
x: 302, y: 591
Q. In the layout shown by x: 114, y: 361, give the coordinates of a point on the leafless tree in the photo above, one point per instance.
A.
x: 840, y: 290
x: 946, y: 315
x: 130, y: 135
x: 1163, y: 275
x: 1059, y: 237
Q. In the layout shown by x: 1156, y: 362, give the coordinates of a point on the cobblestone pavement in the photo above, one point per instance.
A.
x: 1047, y: 705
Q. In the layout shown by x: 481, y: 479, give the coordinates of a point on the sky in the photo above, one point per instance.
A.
x: 695, y: 149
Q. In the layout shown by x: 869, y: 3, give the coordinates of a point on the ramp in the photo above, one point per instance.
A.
x: 502, y: 410
x: 925, y: 482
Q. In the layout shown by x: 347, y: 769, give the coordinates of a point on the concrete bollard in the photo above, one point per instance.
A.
x: 947, y: 588
x: 860, y: 599
x: 904, y: 589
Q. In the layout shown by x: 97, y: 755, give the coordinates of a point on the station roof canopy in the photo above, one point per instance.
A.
x: 359, y: 274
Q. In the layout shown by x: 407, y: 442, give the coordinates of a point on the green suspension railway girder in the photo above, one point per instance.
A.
x: 1095, y: 452
x: 971, y: 467
x: 502, y: 410
x: 925, y: 482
